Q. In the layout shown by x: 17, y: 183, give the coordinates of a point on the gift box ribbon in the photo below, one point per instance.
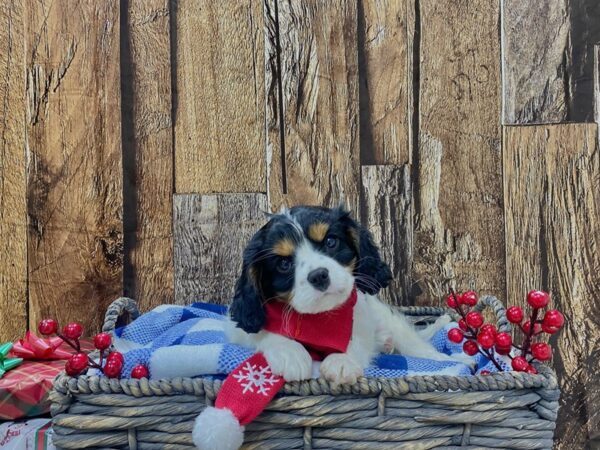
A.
x: 37, y: 348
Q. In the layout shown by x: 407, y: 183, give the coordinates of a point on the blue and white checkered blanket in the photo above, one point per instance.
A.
x: 177, y: 341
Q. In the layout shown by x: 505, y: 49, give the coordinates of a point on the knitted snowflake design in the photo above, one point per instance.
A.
x: 252, y: 377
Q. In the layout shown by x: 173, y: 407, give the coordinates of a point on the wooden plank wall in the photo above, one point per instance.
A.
x: 13, y: 197
x: 142, y: 141
x: 73, y: 145
x: 147, y: 151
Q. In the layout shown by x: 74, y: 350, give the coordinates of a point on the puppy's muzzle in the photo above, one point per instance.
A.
x: 319, y: 279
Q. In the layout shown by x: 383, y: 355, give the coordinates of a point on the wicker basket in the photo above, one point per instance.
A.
x: 505, y: 410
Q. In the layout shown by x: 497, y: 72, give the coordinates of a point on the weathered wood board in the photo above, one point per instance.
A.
x: 73, y: 141
x: 219, y: 109
x: 210, y: 234
x: 13, y: 203
x: 388, y: 214
x: 552, y: 202
x: 458, y: 187
x: 583, y: 35
x: 535, y: 39
x: 384, y: 83
x: 312, y: 88
x: 147, y: 154
x: 597, y: 85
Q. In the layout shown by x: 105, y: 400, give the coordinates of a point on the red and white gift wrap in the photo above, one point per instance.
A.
x: 247, y: 390
x: 34, y: 434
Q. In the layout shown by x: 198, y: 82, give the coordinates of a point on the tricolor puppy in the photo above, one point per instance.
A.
x: 310, y: 259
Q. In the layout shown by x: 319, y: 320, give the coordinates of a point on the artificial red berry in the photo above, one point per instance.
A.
x: 519, y: 363
x: 538, y: 299
x: 469, y: 298
x: 140, y: 371
x: 102, y: 341
x: 474, y: 319
x: 541, y: 351
x: 537, y: 328
x: 47, y: 326
x: 116, y: 356
x: 451, y: 301
x: 112, y: 368
x: 70, y: 370
x: 514, y: 314
x: 489, y: 328
x: 470, y: 348
x: 548, y: 329
x: 553, y: 318
x: 79, y: 362
x: 73, y: 330
x: 485, y: 372
x: 462, y: 325
x: 502, y: 350
x: 455, y: 335
x: 486, y: 340
x: 530, y: 369
x: 503, y: 340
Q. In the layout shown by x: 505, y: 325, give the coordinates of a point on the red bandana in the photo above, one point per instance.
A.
x: 321, y: 333
x: 250, y: 387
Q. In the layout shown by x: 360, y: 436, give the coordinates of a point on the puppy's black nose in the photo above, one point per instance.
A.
x: 319, y: 278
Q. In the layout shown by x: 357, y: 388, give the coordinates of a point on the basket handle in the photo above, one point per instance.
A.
x: 489, y: 301
x: 120, y: 309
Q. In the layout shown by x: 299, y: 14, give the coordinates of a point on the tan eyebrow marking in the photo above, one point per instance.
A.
x: 317, y: 231
x: 284, y: 247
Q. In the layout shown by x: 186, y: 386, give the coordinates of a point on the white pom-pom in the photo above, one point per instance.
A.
x: 217, y: 429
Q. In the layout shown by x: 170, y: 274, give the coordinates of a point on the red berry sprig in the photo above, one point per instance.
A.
x: 79, y: 362
x: 480, y: 338
x: 484, y: 338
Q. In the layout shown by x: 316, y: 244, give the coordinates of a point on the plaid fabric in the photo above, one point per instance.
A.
x: 24, y: 390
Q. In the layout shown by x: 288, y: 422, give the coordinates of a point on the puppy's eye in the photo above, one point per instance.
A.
x: 284, y: 265
x: 331, y: 242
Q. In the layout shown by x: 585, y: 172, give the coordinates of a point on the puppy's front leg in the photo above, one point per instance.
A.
x: 347, y: 367
x: 286, y: 357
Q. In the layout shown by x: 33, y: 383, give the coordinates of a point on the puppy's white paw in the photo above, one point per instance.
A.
x: 341, y: 368
x: 290, y: 360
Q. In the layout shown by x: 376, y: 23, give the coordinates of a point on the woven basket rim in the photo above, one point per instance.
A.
x: 94, y: 384
x: 367, y: 386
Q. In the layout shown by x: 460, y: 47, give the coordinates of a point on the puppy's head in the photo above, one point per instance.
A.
x: 310, y: 258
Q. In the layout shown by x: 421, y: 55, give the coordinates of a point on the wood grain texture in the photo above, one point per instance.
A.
x: 383, y: 88
x: 220, y: 96
x: 148, y: 153
x: 388, y: 214
x: 458, y: 200
x: 210, y: 234
x: 535, y: 38
x: 13, y: 212
x: 552, y: 195
x: 318, y: 75
x: 583, y: 35
x: 597, y: 86
x: 74, y: 150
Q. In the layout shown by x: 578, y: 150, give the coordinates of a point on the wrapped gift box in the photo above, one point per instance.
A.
x: 34, y: 434
x: 24, y: 390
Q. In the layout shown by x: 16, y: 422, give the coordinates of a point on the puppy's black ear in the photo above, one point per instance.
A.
x: 247, y: 307
x: 372, y: 274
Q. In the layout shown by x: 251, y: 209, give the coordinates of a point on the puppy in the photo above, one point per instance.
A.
x: 311, y: 258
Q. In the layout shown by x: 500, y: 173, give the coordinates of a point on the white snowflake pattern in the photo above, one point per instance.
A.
x: 251, y: 377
